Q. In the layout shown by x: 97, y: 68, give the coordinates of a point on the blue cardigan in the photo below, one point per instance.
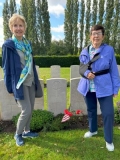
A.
x: 12, y: 69
x: 107, y: 84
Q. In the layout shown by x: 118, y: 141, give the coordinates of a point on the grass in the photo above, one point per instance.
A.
x: 62, y: 145
x: 44, y: 73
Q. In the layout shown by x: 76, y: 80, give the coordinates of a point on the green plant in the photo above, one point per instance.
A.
x: 0, y: 129
x: 117, y: 113
x: 39, y: 119
x: 56, y: 124
x: 71, y: 122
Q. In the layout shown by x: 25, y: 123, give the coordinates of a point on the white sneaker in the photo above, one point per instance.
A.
x: 109, y: 146
x: 89, y: 134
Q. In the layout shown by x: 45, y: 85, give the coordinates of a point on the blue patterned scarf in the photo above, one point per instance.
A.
x: 92, y: 52
x: 25, y: 47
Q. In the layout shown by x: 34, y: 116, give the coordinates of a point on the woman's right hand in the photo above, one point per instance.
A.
x: 90, y: 76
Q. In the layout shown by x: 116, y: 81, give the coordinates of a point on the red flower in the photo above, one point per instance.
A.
x: 78, y: 111
x: 66, y: 111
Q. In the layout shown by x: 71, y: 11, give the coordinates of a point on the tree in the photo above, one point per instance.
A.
x: 101, y: 11
x: 81, y: 26
x: 28, y: 10
x: 115, y: 29
x: 39, y: 28
x: 70, y: 26
x: 31, y: 23
x: 87, y: 22
x: 57, y: 48
x: 108, y: 18
x: 23, y: 10
x: 12, y: 7
x: 8, y: 10
x: 38, y: 31
x: 104, y: 12
x: 46, y: 25
x: 94, y: 13
x: 75, y: 26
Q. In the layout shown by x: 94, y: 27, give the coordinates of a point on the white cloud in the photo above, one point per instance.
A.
x: 57, y: 37
x: 56, y: 7
x: 56, y: 10
x: 59, y: 29
x: 59, y: 33
x: 18, y: 2
x: 56, y: 2
x: 1, y: 3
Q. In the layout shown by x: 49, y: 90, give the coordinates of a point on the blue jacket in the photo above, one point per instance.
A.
x: 106, y: 84
x: 12, y: 69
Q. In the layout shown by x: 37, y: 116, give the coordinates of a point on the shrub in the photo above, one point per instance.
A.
x: 72, y: 123
x: 117, y: 113
x: 45, y: 121
x: 117, y: 116
x: 56, y: 124
x: 39, y: 119
x: 63, y: 61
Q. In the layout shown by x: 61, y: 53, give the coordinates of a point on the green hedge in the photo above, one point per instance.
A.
x: 63, y: 61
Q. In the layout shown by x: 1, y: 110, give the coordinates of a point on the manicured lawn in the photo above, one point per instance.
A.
x: 44, y: 73
x: 62, y: 145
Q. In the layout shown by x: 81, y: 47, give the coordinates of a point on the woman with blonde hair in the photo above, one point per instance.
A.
x: 20, y: 75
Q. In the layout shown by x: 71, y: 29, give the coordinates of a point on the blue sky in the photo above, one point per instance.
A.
x: 56, y: 11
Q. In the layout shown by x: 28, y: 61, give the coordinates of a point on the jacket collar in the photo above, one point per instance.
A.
x: 9, y: 43
x: 85, y: 51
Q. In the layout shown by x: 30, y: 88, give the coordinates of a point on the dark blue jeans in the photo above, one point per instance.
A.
x: 107, y: 109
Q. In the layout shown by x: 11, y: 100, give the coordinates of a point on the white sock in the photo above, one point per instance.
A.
x: 26, y: 132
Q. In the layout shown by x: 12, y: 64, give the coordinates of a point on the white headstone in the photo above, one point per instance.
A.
x: 8, y: 104
x: 74, y: 71
x: 76, y: 99
x: 56, y: 95
x: 39, y: 102
x: 55, y: 71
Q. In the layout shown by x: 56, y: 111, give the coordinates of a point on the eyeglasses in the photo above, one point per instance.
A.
x: 96, y: 33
